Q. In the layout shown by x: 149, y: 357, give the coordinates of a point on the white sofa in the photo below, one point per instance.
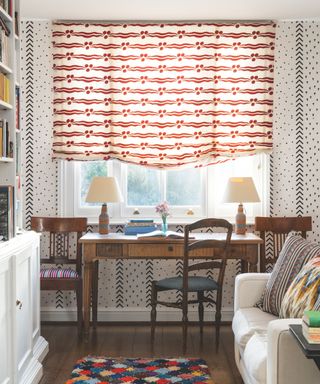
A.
x: 265, y: 351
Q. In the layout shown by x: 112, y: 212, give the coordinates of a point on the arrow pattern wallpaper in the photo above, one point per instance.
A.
x: 294, y: 163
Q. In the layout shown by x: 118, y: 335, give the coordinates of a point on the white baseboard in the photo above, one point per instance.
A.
x: 133, y: 314
x: 41, y: 349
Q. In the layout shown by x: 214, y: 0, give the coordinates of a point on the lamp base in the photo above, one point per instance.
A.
x: 241, y: 227
x: 104, y: 220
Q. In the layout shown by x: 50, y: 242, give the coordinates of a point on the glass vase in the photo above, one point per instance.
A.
x: 164, y: 226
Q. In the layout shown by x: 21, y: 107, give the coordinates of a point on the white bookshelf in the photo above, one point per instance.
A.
x: 10, y: 168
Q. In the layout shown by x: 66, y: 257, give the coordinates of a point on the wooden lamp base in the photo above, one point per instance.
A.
x: 104, y: 220
x: 241, y: 227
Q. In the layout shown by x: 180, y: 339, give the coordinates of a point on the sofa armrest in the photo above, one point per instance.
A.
x: 286, y: 363
x: 248, y: 289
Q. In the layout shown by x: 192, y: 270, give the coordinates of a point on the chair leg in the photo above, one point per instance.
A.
x: 218, y: 318
x: 79, y: 307
x: 154, y: 298
x: 95, y: 286
x: 184, y: 323
x: 200, y: 311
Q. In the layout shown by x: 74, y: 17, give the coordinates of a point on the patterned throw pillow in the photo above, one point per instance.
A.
x: 303, y: 293
x: 295, y: 253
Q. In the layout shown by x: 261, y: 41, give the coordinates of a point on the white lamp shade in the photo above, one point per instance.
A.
x: 240, y: 190
x: 104, y: 190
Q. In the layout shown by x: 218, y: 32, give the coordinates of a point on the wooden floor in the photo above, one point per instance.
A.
x: 134, y: 341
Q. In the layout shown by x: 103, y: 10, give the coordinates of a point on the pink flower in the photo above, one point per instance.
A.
x: 163, y: 210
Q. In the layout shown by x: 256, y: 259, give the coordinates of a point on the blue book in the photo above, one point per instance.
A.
x: 141, y: 221
x: 133, y: 231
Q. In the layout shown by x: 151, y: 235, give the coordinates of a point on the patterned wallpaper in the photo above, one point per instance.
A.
x: 124, y: 286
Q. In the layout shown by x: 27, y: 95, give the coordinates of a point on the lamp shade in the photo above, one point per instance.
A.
x: 104, y: 190
x: 241, y: 190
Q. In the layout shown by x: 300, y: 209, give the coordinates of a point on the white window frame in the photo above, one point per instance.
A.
x: 69, y: 200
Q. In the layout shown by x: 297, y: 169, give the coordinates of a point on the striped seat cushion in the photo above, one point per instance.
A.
x: 58, y: 273
x: 295, y: 253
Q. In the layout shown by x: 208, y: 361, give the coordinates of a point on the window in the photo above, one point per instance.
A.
x: 191, y: 193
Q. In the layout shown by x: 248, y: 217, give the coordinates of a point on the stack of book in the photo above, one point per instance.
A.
x: 6, y: 212
x: 311, y: 326
x: 139, y: 226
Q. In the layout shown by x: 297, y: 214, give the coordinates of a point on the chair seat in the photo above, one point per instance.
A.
x: 195, y: 284
x: 58, y: 273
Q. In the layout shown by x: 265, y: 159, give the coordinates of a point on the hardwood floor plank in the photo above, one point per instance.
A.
x: 65, y: 348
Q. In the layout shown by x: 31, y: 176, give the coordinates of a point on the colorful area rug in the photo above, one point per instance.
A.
x: 95, y: 369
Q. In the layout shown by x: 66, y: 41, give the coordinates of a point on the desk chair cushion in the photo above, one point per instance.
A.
x: 195, y: 284
x: 58, y: 273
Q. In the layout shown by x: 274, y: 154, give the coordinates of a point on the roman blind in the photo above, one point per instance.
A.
x: 162, y: 94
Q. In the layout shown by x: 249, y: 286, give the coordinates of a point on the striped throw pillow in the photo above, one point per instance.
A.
x: 303, y: 293
x: 295, y: 253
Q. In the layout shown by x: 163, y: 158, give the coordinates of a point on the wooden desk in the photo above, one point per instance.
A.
x: 118, y: 246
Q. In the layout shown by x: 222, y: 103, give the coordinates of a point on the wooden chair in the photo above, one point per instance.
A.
x: 196, y: 284
x: 61, y: 230
x: 273, y: 231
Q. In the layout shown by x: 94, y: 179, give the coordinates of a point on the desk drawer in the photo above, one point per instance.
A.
x: 155, y: 250
x: 109, y: 250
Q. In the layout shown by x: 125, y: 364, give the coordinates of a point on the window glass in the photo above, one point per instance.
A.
x: 184, y: 187
x: 143, y: 186
x: 88, y: 170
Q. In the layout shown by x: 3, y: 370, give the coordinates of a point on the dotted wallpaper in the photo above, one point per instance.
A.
x: 124, y: 286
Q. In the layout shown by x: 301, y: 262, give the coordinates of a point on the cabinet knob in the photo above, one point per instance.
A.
x: 170, y: 248
x: 19, y: 304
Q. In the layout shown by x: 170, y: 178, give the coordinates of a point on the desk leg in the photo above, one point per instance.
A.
x: 89, y: 252
x: 252, y: 254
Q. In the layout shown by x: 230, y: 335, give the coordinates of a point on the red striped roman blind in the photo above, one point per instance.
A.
x: 162, y: 95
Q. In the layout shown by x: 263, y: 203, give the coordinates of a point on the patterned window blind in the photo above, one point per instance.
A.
x: 162, y: 95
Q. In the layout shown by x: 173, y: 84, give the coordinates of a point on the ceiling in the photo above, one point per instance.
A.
x: 170, y: 9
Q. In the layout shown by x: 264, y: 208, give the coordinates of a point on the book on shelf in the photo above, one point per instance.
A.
x: 16, y: 23
x: 4, y: 88
x: 312, y: 318
x: 17, y: 109
x: 5, y: 143
x: 7, y: 224
x: 168, y: 234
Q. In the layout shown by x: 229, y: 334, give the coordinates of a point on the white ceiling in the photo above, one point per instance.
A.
x: 170, y: 9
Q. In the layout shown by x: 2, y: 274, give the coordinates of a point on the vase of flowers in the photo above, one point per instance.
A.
x: 163, y: 210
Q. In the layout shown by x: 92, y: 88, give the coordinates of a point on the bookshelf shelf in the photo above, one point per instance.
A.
x: 4, y: 105
x: 5, y: 15
x: 6, y: 159
x: 4, y: 68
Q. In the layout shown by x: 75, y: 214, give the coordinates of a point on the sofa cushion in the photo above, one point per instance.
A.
x: 247, y: 321
x: 295, y: 252
x: 303, y: 293
x: 255, y: 357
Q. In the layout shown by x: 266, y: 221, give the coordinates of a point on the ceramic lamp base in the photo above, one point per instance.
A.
x: 241, y: 227
x: 104, y: 220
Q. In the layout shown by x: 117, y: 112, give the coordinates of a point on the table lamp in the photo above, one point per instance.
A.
x: 241, y: 190
x: 104, y: 190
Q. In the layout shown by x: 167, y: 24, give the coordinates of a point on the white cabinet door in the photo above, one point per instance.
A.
x: 6, y: 321
x: 23, y: 310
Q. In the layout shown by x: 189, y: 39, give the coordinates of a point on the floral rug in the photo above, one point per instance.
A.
x: 103, y: 370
